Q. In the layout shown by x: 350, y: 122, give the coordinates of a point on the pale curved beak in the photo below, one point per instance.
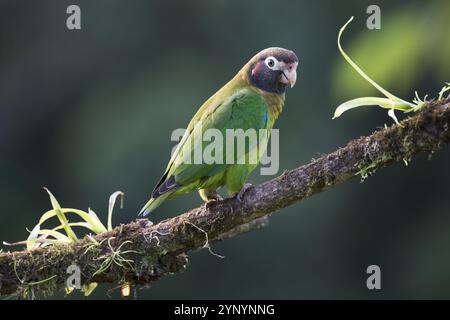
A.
x: 289, y: 74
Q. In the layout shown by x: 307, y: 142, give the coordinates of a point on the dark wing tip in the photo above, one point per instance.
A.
x: 164, y: 186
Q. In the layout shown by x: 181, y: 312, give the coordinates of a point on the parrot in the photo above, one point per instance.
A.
x: 252, y: 99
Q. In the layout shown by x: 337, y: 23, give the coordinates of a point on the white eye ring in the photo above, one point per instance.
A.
x: 272, y: 63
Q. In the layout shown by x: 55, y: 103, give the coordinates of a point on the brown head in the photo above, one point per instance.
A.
x: 272, y: 70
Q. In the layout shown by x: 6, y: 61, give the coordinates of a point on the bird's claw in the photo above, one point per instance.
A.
x: 212, y: 202
x: 240, y: 194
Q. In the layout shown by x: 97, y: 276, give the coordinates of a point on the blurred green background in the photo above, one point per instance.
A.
x: 88, y: 112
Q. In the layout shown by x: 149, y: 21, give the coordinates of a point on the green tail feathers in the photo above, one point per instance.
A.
x: 154, y: 203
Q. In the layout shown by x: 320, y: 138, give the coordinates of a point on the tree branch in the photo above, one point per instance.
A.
x: 152, y: 251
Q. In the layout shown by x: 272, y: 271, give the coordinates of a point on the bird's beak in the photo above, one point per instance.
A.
x: 289, y: 74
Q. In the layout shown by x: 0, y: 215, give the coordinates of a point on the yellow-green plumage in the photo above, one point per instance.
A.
x: 248, y: 101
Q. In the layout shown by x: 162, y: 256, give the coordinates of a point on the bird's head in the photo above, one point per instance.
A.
x: 273, y: 70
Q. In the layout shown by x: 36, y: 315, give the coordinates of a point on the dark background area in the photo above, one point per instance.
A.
x: 89, y: 112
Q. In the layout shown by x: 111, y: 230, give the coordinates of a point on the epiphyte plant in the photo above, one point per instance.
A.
x: 390, y: 101
x: 63, y: 233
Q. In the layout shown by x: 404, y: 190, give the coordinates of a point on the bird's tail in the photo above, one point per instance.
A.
x: 154, y: 203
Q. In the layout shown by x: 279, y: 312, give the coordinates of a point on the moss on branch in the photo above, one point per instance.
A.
x: 148, y: 251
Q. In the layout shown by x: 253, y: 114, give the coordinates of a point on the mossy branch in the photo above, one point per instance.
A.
x: 145, y: 252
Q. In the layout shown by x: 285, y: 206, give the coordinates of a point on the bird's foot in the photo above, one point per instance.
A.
x: 211, y: 202
x: 212, y: 197
x: 240, y: 195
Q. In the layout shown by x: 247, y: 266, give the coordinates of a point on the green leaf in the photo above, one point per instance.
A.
x: 391, y: 114
x: 93, y: 223
x: 362, y: 73
x: 62, y: 218
x: 55, y: 234
x: 112, y: 202
x: 69, y: 290
x: 396, y: 47
x: 91, y: 218
x: 391, y: 101
x: 359, y: 102
x: 88, y: 288
x: 444, y: 90
x: 31, y: 240
x: 75, y: 224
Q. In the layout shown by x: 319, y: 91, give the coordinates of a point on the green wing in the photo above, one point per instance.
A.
x: 245, y: 109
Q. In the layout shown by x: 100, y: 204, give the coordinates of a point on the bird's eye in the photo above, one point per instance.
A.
x: 270, y: 62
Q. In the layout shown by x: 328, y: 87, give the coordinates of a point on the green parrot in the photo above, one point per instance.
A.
x: 253, y: 99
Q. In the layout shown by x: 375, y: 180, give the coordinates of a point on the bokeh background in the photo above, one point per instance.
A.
x: 89, y: 112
